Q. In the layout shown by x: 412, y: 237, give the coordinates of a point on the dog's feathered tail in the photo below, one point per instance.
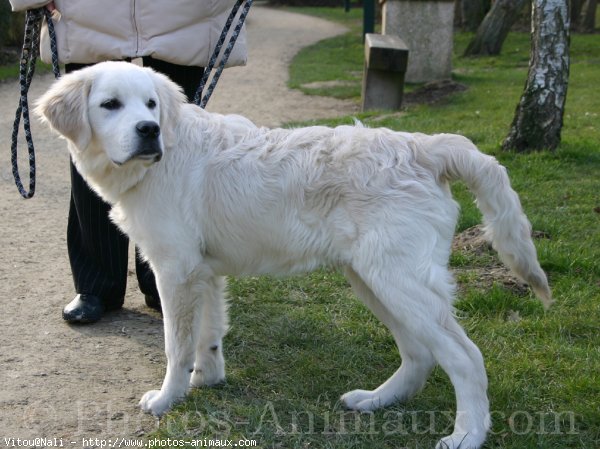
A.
x: 453, y: 157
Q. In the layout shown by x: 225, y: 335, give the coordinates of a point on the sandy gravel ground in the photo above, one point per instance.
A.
x: 75, y: 382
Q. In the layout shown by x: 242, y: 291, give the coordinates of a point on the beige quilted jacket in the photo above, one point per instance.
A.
x: 177, y: 31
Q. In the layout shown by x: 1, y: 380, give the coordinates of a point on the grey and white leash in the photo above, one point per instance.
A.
x: 198, y: 98
x: 29, y: 55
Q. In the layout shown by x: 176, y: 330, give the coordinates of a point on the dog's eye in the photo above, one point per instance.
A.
x: 151, y: 104
x: 111, y: 104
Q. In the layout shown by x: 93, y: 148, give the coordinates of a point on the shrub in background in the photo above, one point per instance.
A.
x: 329, y: 3
x: 11, y: 26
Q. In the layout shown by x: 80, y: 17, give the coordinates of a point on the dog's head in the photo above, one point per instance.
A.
x: 115, y: 115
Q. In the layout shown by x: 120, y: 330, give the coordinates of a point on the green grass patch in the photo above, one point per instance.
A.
x: 330, y: 67
x: 8, y: 72
x: 11, y: 71
x: 297, y: 344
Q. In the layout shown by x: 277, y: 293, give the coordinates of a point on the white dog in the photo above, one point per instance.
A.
x: 206, y: 195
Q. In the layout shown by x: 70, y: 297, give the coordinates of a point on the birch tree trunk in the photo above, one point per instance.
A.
x: 539, y: 116
x: 494, y: 28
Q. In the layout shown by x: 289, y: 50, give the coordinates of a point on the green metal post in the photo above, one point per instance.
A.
x: 368, y: 17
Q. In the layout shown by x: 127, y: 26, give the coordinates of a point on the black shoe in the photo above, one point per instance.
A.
x: 84, y: 309
x: 153, y: 302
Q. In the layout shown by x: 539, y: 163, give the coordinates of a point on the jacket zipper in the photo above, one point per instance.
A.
x: 135, y: 29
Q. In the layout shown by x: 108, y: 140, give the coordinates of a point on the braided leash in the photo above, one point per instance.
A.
x: 198, y: 98
x: 29, y: 55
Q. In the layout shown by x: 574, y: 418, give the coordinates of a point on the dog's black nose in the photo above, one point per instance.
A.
x: 148, y: 129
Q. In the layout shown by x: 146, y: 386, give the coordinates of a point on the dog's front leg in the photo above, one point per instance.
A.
x: 180, y: 318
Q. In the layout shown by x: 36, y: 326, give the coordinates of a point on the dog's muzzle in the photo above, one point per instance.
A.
x: 149, y: 147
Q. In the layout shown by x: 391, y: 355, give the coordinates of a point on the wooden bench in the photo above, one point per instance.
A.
x: 386, y: 57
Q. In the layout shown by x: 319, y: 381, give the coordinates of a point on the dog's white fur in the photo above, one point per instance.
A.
x: 230, y: 198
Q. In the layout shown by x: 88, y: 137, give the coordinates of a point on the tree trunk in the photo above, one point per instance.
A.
x: 458, y: 13
x: 589, y: 19
x: 575, y: 7
x: 495, y: 27
x: 539, y: 115
x: 472, y: 13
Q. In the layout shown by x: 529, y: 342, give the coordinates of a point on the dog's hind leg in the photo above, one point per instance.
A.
x: 417, y: 360
x: 421, y: 311
x: 209, y: 367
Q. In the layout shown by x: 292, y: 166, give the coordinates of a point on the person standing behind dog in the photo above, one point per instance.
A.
x: 174, y: 37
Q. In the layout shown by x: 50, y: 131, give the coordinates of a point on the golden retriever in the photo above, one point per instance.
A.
x: 206, y: 195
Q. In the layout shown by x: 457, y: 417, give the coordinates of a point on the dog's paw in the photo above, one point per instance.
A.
x: 207, y: 377
x: 155, y: 403
x: 362, y: 400
x: 209, y: 369
x: 461, y: 441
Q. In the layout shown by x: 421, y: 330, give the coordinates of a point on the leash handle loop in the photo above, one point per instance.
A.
x: 29, y: 55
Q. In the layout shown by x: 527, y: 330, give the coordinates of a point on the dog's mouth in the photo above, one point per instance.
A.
x: 151, y: 158
x: 148, y: 154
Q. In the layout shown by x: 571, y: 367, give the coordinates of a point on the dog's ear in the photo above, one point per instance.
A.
x: 170, y: 98
x: 65, y: 108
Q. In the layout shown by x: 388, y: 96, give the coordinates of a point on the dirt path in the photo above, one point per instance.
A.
x: 75, y: 382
